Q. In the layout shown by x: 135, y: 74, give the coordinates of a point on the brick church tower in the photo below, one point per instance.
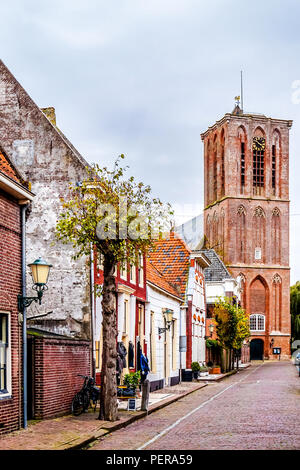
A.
x: 246, y: 218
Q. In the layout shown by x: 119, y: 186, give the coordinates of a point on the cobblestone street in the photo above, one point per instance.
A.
x: 257, y: 409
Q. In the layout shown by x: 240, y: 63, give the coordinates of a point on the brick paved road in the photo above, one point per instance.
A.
x: 259, y: 408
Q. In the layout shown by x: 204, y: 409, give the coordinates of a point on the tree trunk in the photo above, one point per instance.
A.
x: 108, y: 398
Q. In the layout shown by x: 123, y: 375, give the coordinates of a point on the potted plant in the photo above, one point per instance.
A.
x: 216, y: 369
x: 132, y: 381
x: 195, y: 369
x: 203, y: 371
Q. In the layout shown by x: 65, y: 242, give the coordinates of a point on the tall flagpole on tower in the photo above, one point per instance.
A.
x: 242, y: 91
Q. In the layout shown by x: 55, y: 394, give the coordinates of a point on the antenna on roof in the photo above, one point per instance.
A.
x: 242, y: 92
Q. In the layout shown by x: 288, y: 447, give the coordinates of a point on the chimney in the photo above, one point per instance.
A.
x: 50, y: 114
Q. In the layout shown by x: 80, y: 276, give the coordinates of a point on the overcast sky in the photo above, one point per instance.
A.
x: 145, y: 77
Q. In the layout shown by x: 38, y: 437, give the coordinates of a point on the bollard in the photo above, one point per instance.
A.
x: 145, y: 395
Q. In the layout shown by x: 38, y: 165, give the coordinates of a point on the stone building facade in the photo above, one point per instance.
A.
x: 246, y: 218
x: 49, y: 162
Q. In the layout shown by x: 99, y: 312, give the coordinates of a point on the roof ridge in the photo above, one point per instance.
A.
x: 74, y: 151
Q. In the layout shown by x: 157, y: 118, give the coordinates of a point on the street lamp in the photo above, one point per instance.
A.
x: 168, y: 314
x: 211, y: 329
x: 272, y: 343
x: 40, y: 272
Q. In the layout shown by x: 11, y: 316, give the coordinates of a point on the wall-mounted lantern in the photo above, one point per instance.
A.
x: 168, y: 315
x: 211, y: 329
x: 40, y: 272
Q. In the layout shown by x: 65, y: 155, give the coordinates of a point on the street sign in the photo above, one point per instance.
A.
x: 131, y: 404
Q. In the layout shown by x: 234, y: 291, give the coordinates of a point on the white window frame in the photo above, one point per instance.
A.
x: 258, y: 254
x: 133, y: 273
x: 141, y: 270
x: 123, y: 270
x: 258, y: 318
x: 7, y: 392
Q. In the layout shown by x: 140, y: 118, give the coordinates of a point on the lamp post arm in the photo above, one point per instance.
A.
x: 24, y: 302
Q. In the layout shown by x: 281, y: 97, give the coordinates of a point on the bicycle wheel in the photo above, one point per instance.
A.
x: 86, y: 400
x: 77, y: 404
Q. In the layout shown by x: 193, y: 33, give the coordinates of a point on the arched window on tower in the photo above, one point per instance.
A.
x: 276, y: 144
x: 259, y: 294
x: 222, y: 179
x: 215, y: 167
x: 215, y: 237
x: 242, y: 143
x: 276, y: 236
x: 241, y: 235
x: 258, y: 146
x: 207, y: 171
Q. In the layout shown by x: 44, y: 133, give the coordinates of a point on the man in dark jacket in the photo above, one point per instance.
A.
x: 144, y: 367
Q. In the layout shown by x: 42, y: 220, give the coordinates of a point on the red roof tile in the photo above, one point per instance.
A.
x: 7, y: 168
x: 171, y: 257
x: 156, y: 278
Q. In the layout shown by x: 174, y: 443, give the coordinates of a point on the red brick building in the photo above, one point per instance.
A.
x: 13, y: 196
x: 246, y: 218
x: 131, y: 307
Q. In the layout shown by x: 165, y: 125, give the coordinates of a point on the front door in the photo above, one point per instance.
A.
x: 256, y: 350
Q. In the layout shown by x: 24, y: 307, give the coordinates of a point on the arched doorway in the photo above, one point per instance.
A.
x: 256, y: 350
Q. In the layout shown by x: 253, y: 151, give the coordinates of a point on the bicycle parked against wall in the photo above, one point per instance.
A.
x: 82, y: 399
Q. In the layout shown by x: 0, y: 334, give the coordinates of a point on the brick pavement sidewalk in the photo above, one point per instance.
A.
x: 73, y: 432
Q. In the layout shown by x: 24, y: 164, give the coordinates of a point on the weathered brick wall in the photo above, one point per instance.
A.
x: 10, y: 287
x: 49, y: 162
x: 56, y: 365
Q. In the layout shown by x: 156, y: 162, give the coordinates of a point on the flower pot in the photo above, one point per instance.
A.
x: 215, y: 370
x: 195, y: 375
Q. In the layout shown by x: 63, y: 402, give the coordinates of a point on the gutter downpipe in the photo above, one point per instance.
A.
x: 92, y: 290
x: 23, y: 235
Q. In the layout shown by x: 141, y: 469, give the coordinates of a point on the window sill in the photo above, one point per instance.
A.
x: 5, y: 396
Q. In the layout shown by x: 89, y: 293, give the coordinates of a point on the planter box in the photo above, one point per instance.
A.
x: 187, y: 375
x: 215, y: 370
